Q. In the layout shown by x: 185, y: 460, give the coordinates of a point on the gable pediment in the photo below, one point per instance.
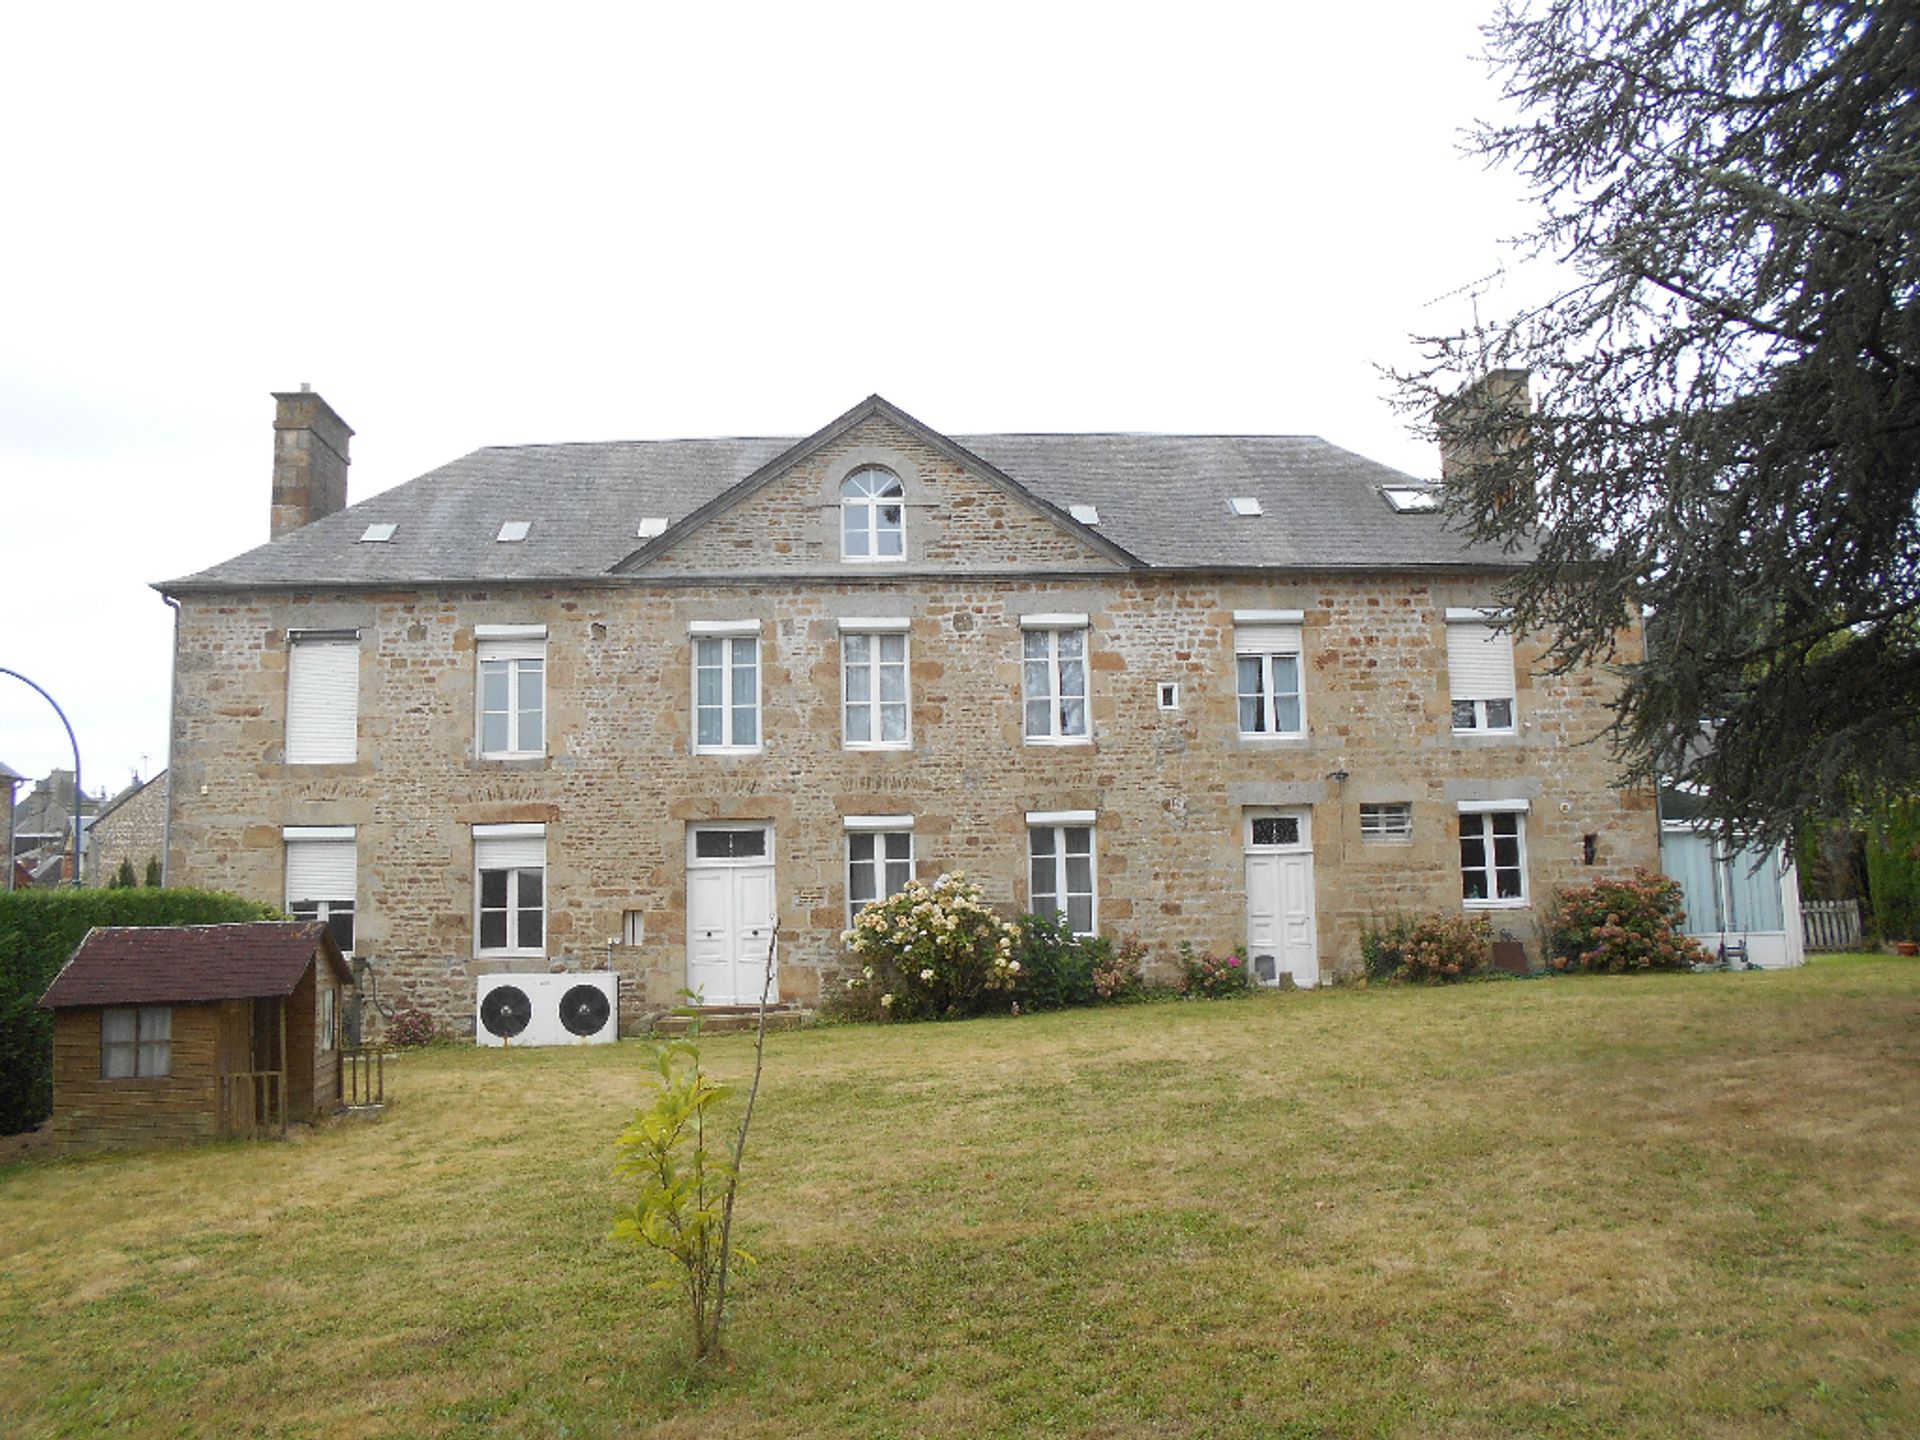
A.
x: 908, y: 489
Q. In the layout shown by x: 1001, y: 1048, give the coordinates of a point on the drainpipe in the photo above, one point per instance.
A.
x: 173, y: 720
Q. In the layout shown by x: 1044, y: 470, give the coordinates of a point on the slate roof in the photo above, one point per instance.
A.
x: 187, y: 964
x: 1161, y: 498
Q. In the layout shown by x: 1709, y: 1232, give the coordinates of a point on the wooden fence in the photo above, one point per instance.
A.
x: 1831, y: 924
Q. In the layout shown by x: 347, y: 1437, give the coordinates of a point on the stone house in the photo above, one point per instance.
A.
x: 625, y: 706
x: 130, y: 827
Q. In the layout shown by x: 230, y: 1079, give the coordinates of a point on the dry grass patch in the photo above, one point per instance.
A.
x: 1622, y: 1207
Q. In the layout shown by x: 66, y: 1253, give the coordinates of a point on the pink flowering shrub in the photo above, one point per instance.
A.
x: 410, y: 1027
x: 931, y: 951
x: 1119, y: 969
x: 1621, y: 925
x: 1432, y: 950
x: 1211, y: 976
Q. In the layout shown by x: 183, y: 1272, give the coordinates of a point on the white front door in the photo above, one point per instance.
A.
x: 1280, y: 929
x: 730, y: 911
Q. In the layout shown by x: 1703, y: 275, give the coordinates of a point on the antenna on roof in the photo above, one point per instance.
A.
x: 1473, y: 289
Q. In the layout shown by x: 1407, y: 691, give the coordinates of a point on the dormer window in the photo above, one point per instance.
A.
x: 872, y: 516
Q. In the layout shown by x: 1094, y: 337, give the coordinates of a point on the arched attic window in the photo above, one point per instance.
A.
x: 872, y: 516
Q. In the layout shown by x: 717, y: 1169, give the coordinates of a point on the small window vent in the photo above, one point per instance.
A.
x: 513, y: 532
x: 1245, y: 505
x: 1411, y: 500
x: 377, y: 534
x: 652, y: 528
x: 1085, y: 514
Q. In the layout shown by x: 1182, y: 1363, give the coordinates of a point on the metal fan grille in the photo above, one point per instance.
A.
x: 584, y: 1010
x: 506, y: 1011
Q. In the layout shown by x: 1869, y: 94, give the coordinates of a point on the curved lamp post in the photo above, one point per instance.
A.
x: 76, y: 770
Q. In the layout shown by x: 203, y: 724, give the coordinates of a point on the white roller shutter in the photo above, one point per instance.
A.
x: 509, y: 847
x: 1479, y: 661
x: 1266, y: 639
x: 320, y: 867
x: 323, y: 701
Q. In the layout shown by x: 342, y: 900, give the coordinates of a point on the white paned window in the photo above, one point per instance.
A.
x: 1054, y: 682
x: 513, y: 693
x: 873, y: 688
x: 872, y: 516
x: 322, y: 878
x: 1479, y: 673
x: 510, y: 889
x: 879, y: 864
x: 1390, y: 821
x: 1493, y: 858
x: 1267, y: 659
x: 1061, y: 874
x: 726, y: 692
x: 136, y: 1042
x: 323, y: 699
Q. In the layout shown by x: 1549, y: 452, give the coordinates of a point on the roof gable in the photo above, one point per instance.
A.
x: 187, y: 964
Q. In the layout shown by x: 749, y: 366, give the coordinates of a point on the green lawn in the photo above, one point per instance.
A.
x: 1649, y: 1206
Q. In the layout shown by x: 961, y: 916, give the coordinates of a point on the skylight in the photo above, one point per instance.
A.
x: 652, y: 527
x: 1411, y: 500
x: 514, y: 531
x: 1244, y: 505
x: 1085, y: 514
x: 377, y: 534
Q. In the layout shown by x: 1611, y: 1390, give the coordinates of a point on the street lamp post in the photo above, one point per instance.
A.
x: 76, y: 770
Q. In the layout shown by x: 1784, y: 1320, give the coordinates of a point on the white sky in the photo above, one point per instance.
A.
x: 482, y: 225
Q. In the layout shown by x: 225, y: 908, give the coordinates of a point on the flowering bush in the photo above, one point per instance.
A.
x: 1210, y: 976
x: 410, y: 1028
x: 1621, y: 925
x: 1118, y: 969
x: 1432, y: 950
x: 932, y: 950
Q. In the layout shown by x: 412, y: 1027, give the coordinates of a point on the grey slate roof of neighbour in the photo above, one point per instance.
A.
x: 1163, y: 498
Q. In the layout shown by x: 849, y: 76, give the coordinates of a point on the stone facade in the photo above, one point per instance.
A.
x: 133, y: 828
x: 620, y: 782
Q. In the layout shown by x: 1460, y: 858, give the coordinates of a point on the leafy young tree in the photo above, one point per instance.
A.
x: 1726, y: 428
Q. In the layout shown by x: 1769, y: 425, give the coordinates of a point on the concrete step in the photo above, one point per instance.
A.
x: 728, y: 1019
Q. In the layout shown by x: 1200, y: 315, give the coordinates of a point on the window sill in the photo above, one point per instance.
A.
x: 729, y: 750
x: 1485, y: 734
x: 1272, y: 737
x: 1059, y: 740
x: 510, y: 955
x: 1521, y: 904
x: 526, y: 759
x: 896, y: 746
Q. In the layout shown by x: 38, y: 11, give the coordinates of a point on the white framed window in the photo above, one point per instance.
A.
x: 322, y: 878
x: 329, y: 1017
x: 1169, y: 694
x: 512, y: 694
x: 1480, y: 673
x: 1053, y: 675
x: 510, y: 889
x: 1493, y: 855
x: 873, y: 684
x: 1061, y: 875
x: 136, y: 1042
x: 873, y: 512
x: 1266, y: 646
x: 323, y: 696
x: 726, y: 686
x: 1387, y: 821
x: 879, y: 858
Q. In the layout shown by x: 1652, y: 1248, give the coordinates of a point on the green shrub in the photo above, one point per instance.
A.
x: 1893, y: 871
x: 39, y: 931
x: 1209, y: 976
x: 124, y: 878
x: 1056, y: 966
x: 410, y: 1028
x: 1620, y: 925
x: 932, y: 950
x: 1431, y: 950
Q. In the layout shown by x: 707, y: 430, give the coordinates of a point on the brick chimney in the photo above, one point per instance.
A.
x: 309, y: 460
x: 1482, y: 422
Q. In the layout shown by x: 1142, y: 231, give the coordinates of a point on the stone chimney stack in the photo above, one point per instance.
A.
x: 309, y: 460
x: 1484, y: 422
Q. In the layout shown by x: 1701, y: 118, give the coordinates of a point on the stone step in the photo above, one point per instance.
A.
x: 729, y: 1019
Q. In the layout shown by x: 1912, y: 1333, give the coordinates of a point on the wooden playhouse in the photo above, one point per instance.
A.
x: 187, y: 1032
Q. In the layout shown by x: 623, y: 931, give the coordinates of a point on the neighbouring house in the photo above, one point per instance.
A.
x: 132, y: 828
x: 625, y: 706
x: 186, y: 1032
x: 42, y: 834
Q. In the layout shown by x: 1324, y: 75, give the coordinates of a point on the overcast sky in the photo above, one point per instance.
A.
x: 492, y: 225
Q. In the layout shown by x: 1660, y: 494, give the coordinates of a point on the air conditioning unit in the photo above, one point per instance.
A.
x: 547, y: 1009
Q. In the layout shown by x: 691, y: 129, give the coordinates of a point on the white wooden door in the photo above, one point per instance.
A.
x: 730, y: 912
x: 1280, y: 927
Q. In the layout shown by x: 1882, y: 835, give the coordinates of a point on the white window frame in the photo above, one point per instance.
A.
x: 868, y: 505
x: 871, y: 634
x: 514, y: 850
x: 1390, y: 823
x: 323, y: 697
x: 519, y: 651
x: 730, y: 637
x: 1051, y: 669
x: 879, y: 834
x: 1060, y: 826
x: 1265, y: 636
x: 1487, y: 818
x: 1480, y: 673
x: 147, y: 1045
x: 341, y: 882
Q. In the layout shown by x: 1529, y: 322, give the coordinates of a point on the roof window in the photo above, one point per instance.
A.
x: 1085, y: 514
x: 513, y: 531
x: 1411, y: 499
x: 1244, y: 505
x: 377, y: 534
x: 652, y: 528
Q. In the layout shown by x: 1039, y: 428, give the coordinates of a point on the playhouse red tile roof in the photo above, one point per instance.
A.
x: 184, y: 964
